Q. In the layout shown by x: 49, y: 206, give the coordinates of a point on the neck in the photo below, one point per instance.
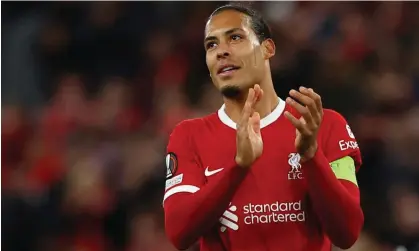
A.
x: 265, y: 106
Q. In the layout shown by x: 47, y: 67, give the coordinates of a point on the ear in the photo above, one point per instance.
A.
x: 268, y: 47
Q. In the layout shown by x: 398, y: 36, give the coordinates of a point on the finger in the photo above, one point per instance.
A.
x: 304, y: 111
x: 255, y: 99
x: 260, y: 96
x: 309, y: 103
x: 247, y: 109
x: 258, y: 93
x: 249, y: 104
x: 317, y: 115
x: 306, y: 100
x: 295, y: 122
x: 257, y: 89
x: 313, y: 95
x: 255, y: 122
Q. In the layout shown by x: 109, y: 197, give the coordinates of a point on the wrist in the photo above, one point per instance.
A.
x: 240, y: 162
x: 316, y: 163
x: 315, y: 159
x: 310, y: 153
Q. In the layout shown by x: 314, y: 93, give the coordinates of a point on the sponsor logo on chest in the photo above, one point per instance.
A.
x: 269, y: 213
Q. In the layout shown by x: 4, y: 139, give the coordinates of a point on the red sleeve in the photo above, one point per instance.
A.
x: 191, y: 205
x: 183, y: 172
x: 336, y: 202
x: 338, y: 140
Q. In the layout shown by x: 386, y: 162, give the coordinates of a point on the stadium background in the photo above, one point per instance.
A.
x: 91, y: 90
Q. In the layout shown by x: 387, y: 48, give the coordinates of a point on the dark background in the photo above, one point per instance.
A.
x: 91, y: 90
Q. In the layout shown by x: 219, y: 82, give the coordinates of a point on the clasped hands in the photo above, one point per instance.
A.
x: 249, y: 141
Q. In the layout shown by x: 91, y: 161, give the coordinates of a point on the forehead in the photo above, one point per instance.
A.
x: 227, y: 20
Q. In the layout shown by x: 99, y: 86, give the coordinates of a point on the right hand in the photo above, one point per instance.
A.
x: 248, y: 137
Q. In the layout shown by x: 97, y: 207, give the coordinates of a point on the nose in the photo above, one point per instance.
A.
x: 222, y: 52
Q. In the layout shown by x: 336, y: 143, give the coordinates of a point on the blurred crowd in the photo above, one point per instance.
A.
x: 91, y: 91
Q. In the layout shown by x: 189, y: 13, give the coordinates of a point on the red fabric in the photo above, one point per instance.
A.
x: 204, y: 206
x: 336, y: 202
x: 274, y: 206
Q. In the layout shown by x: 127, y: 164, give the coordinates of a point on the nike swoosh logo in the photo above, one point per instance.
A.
x: 209, y: 173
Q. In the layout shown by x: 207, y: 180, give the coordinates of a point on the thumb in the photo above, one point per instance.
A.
x: 255, y: 122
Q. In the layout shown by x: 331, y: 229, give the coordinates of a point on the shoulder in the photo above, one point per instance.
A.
x: 185, y: 133
x: 335, y: 123
x: 337, y: 138
x: 189, y: 127
x: 331, y: 117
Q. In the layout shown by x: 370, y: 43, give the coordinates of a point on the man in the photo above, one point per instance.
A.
x: 262, y: 173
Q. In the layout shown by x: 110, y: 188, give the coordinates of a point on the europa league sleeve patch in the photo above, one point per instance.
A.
x: 171, y: 165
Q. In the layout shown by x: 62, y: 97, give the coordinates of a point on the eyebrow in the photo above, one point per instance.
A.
x: 211, y: 38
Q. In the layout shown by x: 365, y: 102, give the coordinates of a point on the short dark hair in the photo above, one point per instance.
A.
x: 258, y: 24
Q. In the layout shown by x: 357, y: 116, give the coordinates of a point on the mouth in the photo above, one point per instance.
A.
x: 226, y: 70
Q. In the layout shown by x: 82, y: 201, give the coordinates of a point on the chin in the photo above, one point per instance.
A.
x: 233, y: 88
x: 231, y: 91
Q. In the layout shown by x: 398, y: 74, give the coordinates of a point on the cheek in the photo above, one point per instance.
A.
x: 257, y: 61
x: 250, y: 57
x: 209, y: 62
x: 252, y: 62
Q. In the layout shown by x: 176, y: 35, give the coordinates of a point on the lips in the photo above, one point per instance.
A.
x: 227, y: 68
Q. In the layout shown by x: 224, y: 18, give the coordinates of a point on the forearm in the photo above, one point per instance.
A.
x: 336, y: 202
x: 192, y: 214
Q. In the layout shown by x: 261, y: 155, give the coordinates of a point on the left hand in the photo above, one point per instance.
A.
x: 308, y: 125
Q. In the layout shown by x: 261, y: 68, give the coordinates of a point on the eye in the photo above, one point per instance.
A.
x: 236, y: 37
x: 210, y: 45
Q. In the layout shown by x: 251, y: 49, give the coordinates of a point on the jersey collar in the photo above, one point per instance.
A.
x: 272, y: 117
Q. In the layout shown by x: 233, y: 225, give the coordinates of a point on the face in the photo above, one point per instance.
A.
x: 234, y: 56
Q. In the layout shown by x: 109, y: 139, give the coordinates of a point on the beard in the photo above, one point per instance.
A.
x: 232, y: 92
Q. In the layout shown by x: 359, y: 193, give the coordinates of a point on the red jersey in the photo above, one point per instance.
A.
x: 270, y: 209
